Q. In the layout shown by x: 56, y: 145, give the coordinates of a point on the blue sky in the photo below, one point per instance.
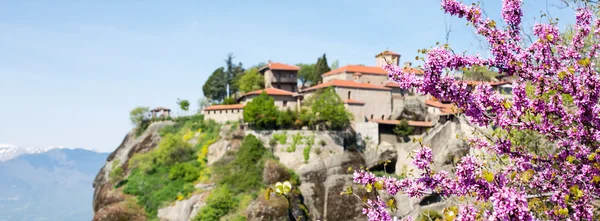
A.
x: 70, y: 71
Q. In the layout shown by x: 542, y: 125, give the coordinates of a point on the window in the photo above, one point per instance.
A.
x: 368, y: 82
x: 220, y: 111
x: 371, y: 117
x: 225, y: 111
x: 349, y: 92
x: 382, y: 117
x: 284, y: 103
x: 293, y: 89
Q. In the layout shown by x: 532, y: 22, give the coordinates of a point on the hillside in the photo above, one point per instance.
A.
x: 192, y: 169
x: 48, y: 184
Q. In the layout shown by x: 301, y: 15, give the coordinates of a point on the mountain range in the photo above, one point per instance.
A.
x: 51, y: 183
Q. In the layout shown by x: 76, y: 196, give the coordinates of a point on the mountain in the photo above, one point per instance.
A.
x: 53, y: 183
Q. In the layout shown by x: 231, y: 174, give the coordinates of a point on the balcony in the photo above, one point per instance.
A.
x: 285, y: 80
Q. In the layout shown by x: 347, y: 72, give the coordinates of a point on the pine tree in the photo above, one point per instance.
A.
x: 320, y: 68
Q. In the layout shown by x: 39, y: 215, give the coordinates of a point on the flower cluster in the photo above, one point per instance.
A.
x: 556, y: 95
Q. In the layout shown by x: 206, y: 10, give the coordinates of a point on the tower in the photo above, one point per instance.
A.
x: 387, y: 57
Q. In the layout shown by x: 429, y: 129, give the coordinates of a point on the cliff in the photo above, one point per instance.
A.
x: 316, y: 162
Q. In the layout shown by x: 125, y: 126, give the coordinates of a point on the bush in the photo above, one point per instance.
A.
x: 117, y: 172
x: 329, y: 110
x: 280, y: 137
x: 229, y: 100
x: 185, y: 171
x: 261, y: 112
x: 272, y: 143
x: 403, y: 130
x: 285, y: 119
x: 244, y: 172
x: 322, y: 143
x: 306, y: 153
x: 220, y: 202
x: 296, y: 139
x: 173, y: 149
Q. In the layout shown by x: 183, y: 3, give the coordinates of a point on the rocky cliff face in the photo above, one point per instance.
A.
x: 322, y: 171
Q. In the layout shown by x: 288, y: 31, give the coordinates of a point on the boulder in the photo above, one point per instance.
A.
x: 410, y: 109
x: 274, y: 172
x: 276, y: 208
x: 376, y: 156
x: 184, y: 210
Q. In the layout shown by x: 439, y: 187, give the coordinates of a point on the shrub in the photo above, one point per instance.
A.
x: 272, y: 142
x: 280, y: 137
x: 402, y: 129
x: 322, y: 143
x: 139, y: 114
x: 329, y: 110
x: 285, y: 119
x: 117, y: 172
x: 220, y: 202
x: 307, y: 153
x: 172, y: 149
x: 261, y: 112
x: 296, y: 139
x: 185, y: 171
x: 244, y: 172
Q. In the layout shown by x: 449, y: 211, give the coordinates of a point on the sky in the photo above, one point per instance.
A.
x: 70, y: 71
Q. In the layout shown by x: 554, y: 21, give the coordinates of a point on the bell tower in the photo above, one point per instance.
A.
x: 387, y: 57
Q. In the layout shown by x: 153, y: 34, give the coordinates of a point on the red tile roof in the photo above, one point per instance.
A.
x: 387, y: 52
x: 224, y: 107
x: 270, y: 91
x: 348, y: 84
x: 410, y: 123
x: 350, y: 101
x: 367, y: 70
x: 492, y: 83
x: 438, y: 104
x: 392, y: 84
x: 280, y: 67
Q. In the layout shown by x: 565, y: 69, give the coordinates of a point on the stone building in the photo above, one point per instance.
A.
x: 224, y: 113
x: 283, y: 99
x: 280, y: 76
x: 364, y: 101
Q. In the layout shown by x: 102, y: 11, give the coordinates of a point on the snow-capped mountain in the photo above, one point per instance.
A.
x: 9, y: 151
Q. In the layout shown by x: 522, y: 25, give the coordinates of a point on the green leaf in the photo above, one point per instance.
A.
x: 268, y: 193
x: 369, y: 187
x: 488, y: 176
x: 379, y: 185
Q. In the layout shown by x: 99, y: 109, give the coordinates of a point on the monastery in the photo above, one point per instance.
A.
x: 365, y: 90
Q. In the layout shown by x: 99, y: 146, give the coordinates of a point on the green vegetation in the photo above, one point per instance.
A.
x: 117, y: 173
x: 183, y: 104
x: 229, y: 100
x: 428, y: 215
x: 168, y: 173
x: 280, y: 137
x: 140, y: 118
x: 322, y: 143
x: 296, y: 139
x: 252, y: 80
x: 238, y: 182
x: 261, y: 112
x: 306, y: 74
x: 403, y: 130
x: 329, y: 111
x: 215, y: 88
x: 321, y: 67
x: 220, y: 202
x: 309, y: 141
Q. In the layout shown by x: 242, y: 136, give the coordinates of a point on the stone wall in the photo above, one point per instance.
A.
x: 223, y: 116
x: 378, y: 103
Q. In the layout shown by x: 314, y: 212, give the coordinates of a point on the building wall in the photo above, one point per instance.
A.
x: 377, y: 102
x: 223, y: 116
x: 268, y: 78
x: 281, y: 102
x: 374, y: 79
x: 357, y: 112
x: 339, y: 76
x: 284, y: 80
x: 394, y: 59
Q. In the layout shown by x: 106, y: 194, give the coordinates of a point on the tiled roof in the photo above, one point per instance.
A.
x: 270, y: 91
x: 367, y: 70
x: 387, y: 52
x: 492, y: 83
x: 348, y: 84
x: 280, y: 67
x: 438, y: 104
x: 350, y: 101
x: 410, y: 123
x: 392, y: 84
x: 224, y: 107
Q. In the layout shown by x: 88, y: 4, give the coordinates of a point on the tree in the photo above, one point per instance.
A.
x: 306, y: 74
x: 139, y: 114
x: 229, y: 100
x: 202, y: 103
x: 335, y: 64
x: 251, y: 80
x: 321, y: 67
x: 215, y: 87
x: 478, y: 73
x: 261, y: 112
x: 329, y: 110
x: 403, y: 129
x: 509, y: 180
x: 183, y: 104
x: 232, y: 72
